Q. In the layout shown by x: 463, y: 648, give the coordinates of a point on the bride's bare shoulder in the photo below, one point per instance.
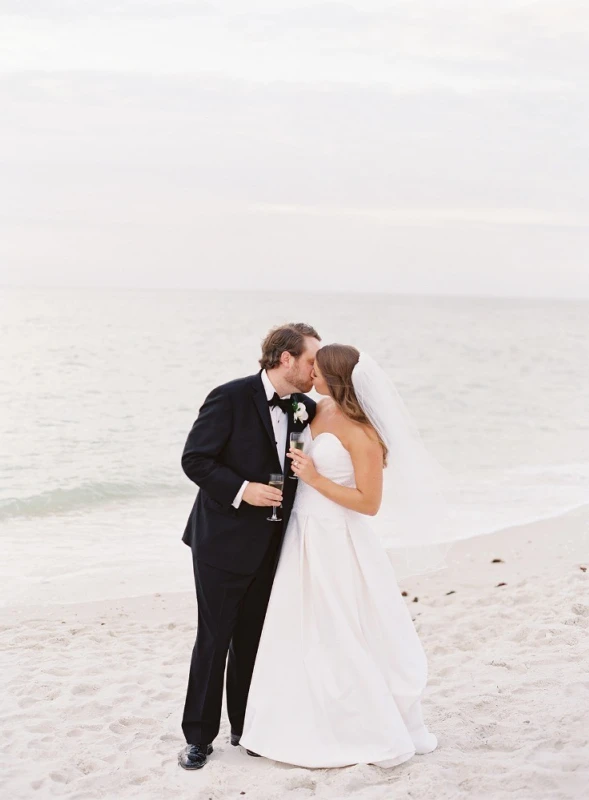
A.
x: 360, y: 434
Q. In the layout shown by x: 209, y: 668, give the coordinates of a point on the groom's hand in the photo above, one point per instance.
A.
x: 259, y: 494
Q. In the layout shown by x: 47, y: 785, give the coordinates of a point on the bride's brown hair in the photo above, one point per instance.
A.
x: 337, y: 362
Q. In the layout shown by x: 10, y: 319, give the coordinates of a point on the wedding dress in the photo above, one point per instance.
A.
x: 340, y: 670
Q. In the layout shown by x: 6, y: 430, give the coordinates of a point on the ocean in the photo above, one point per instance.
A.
x: 99, y: 389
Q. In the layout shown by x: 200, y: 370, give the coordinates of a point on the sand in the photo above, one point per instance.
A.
x: 92, y: 693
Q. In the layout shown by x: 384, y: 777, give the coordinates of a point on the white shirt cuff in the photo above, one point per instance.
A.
x: 239, y: 496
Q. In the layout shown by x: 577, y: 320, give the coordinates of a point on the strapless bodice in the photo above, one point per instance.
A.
x: 332, y: 460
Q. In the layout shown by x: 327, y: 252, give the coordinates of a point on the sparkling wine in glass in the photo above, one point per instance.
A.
x: 296, y: 443
x: 277, y: 481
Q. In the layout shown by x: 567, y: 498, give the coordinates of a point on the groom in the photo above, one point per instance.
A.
x: 241, y: 436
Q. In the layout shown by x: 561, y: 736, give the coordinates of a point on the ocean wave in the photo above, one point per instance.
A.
x: 84, y: 496
x: 495, y: 521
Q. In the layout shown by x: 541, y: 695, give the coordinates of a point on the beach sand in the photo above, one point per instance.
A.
x: 92, y: 693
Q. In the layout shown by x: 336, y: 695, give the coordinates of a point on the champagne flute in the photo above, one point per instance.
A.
x: 276, y: 481
x: 297, y: 443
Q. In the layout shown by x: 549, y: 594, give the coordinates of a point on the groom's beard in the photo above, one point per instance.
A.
x: 304, y: 387
x: 297, y: 380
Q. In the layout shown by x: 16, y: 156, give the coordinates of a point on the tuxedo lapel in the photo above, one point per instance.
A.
x: 291, y: 426
x: 261, y: 404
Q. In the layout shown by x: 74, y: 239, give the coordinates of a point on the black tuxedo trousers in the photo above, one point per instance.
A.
x: 234, y: 551
x: 231, y: 612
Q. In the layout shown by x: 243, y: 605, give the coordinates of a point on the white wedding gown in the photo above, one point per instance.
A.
x: 340, y: 670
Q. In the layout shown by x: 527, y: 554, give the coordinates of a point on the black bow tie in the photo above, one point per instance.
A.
x: 285, y: 404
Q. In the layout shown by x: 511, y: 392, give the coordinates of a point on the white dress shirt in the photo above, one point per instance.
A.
x: 279, y: 425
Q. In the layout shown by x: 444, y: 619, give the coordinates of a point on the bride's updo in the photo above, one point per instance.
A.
x: 336, y: 362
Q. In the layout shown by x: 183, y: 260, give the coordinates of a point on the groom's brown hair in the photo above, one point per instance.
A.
x: 285, y: 338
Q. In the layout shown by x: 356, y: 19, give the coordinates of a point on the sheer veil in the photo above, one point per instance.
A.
x: 414, y: 523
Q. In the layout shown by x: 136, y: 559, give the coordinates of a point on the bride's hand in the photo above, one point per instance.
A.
x: 302, y: 466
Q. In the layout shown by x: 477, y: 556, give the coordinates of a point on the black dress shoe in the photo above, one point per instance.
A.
x: 194, y: 756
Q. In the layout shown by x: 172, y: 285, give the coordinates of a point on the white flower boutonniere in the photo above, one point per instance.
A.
x: 300, y: 412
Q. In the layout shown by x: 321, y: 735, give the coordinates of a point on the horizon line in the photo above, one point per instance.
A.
x: 389, y: 293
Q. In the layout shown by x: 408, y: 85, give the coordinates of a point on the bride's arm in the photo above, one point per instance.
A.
x: 367, y: 460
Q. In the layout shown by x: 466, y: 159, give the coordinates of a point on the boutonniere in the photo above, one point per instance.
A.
x: 300, y: 413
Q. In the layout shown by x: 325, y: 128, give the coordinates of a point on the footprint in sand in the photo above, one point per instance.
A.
x: 137, y: 780
x: 58, y: 672
x: 171, y: 737
x: 520, y: 634
x: 582, y: 622
x: 85, y: 689
x: 88, y: 765
x: 128, y: 688
x: 580, y: 609
x: 58, y: 777
x: 42, y: 727
x: 128, y: 724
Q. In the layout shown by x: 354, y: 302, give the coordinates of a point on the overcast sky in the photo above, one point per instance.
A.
x: 435, y: 146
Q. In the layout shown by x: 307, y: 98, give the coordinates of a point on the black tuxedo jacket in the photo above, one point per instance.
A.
x: 231, y: 441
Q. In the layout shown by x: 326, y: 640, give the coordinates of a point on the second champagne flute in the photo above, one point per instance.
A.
x: 276, y: 481
x: 296, y: 443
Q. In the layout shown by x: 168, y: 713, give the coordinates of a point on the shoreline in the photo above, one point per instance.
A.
x: 461, y: 552
x: 109, y: 571
x: 186, y: 498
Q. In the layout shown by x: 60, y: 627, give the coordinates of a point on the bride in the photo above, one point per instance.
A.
x: 340, y: 670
